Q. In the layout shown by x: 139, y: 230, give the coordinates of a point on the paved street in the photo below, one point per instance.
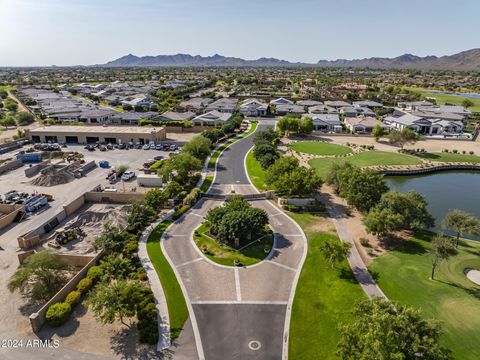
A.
x: 237, y: 313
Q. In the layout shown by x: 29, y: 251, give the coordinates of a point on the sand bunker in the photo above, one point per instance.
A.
x: 473, y: 275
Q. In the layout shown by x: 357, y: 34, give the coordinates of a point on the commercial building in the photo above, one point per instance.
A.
x: 92, y: 134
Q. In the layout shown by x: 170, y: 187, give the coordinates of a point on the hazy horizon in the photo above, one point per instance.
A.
x: 75, y: 32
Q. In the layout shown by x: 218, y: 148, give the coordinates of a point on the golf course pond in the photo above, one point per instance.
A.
x: 444, y: 191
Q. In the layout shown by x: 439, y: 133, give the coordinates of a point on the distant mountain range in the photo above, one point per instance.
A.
x: 464, y: 61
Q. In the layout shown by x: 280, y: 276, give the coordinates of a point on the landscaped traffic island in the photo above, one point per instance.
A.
x: 235, y: 234
x: 222, y: 254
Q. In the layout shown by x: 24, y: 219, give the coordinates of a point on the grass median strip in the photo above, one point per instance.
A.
x: 255, y: 172
x: 177, y: 307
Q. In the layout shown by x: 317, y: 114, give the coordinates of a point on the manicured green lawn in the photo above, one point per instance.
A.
x: 403, y: 275
x: 320, y: 148
x: 366, y: 158
x: 225, y: 255
x: 450, y: 157
x: 443, y: 99
x: 324, y: 298
x: 255, y: 172
x: 177, y: 307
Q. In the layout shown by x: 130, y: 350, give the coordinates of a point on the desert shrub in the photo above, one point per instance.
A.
x: 192, y: 197
x: 176, y: 215
x: 73, y: 297
x: 94, y: 273
x: 58, y: 313
x: 84, y: 285
x: 130, y: 247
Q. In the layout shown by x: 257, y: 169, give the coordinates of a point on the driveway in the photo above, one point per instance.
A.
x: 238, y: 313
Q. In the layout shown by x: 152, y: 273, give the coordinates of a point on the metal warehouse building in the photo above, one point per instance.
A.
x: 91, y: 134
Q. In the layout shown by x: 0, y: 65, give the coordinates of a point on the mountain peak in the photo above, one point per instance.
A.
x: 464, y: 61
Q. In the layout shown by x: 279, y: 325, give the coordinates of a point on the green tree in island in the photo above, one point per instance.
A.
x: 442, y: 249
x: 389, y: 331
x: 461, y: 223
x: 335, y: 251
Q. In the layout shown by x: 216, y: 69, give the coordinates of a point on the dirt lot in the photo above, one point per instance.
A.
x: 90, y: 218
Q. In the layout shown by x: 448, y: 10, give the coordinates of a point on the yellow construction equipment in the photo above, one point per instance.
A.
x: 63, y: 236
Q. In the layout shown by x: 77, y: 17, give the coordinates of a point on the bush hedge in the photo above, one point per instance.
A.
x: 84, y: 285
x: 73, y: 297
x: 94, y: 273
x: 58, y: 313
x: 176, y: 215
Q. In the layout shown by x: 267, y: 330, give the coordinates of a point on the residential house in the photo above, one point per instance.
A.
x: 281, y: 101
x: 212, y: 118
x: 223, y: 105
x: 425, y: 126
x: 352, y: 111
x: 336, y: 104
x: 176, y: 116
x: 253, y: 107
x: 368, y: 104
x: 322, y: 109
x: 195, y: 105
x: 289, y: 110
x: 413, y: 105
x: 362, y: 124
x: 326, y: 122
x: 308, y: 103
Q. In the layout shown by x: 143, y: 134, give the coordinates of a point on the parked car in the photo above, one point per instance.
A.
x: 146, y: 147
x: 158, y: 147
x: 166, y: 147
x: 128, y: 175
x: 109, y: 146
x: 173, y: 147
x: 152, y: 146
x: 121, y: 146
x: 102, y: 148
x: 158, y: 158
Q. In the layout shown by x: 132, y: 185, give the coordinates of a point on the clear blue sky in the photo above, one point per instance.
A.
x: 69, y: 32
